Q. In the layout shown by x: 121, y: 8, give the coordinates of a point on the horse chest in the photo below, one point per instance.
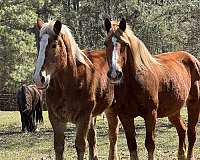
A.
x: 129, y: 102
x: 67, y: 108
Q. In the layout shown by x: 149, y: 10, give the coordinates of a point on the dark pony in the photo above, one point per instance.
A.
x: 29, y: 101
x: 77, y: 89
x: 152, y: 87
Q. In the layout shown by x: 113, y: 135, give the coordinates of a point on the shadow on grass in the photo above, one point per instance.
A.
x: 9, y: 133
x: 18, y: 132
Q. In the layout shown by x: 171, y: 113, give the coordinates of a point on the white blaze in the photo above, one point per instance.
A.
x: 41, y: 58
x: 114, y: 57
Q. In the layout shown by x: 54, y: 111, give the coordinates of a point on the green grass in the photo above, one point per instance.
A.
x: 15, y: 145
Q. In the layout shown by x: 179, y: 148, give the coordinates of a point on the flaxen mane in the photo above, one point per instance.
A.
x: 69, y: 41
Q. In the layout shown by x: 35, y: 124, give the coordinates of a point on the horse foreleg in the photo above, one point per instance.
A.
x: 178, y: 122
x: 58, y: 128
x: 150, y: 122
x: 113, y: 125
x: 81, y: 134
x: 129, y: 128
x: 91, y: 137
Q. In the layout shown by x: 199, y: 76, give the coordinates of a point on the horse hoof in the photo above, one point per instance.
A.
x: 37, y: 130
x: 190, y: 158
x: 95, y: 158
x: 182, y: 157
x: 113, y: 158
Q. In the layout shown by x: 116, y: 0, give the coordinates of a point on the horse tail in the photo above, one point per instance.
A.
x: 197, y: 69
x: 195, y: 77
x: 21, y: 98
x: 39, y: 115
x: 193, y: 64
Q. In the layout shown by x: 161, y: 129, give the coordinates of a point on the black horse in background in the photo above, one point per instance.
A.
x: 30, y: 102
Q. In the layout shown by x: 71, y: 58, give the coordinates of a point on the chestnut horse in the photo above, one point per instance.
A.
x: 77, y: 88
x: 152, y: 87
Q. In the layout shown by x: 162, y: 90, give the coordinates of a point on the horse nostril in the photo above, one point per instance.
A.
x: 119, y: 74
x: 42, y: 79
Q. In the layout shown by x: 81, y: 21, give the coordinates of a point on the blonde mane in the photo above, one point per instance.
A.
x: 77, y: 54
x: 141, y: 56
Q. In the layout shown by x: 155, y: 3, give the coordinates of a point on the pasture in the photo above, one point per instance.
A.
x: 15, y: 145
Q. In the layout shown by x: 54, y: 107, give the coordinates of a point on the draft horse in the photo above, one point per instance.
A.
x: 77, y: 88
x: 30, y: 103
x: 152, y: 87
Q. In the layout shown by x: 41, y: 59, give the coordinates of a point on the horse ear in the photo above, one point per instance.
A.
x: 39, y: 23
x: 57, y: 27
x: 107, y: 24
x: 122, y: 24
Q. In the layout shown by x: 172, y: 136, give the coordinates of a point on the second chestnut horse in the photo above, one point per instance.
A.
x: 152, y: 87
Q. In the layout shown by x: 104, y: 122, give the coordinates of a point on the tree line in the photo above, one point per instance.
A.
x: 163, y: 25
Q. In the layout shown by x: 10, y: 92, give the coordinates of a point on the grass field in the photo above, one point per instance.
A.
x: 15, y: 145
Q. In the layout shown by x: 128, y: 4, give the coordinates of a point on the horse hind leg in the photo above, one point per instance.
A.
x: 39, y: 116
x: 193, y: 107
x: 178, y: 122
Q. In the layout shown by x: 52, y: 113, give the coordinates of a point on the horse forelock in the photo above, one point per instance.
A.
x: 76, y: 53
x: 47, y: 29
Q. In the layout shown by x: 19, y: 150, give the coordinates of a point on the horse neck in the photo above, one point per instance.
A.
x: 66, y: 75
x: 71, y: 59
x: 141, y: 57
x: 140, y: 64
x: 72, y: 53
x: 66, y: 62
x: 130, y: 68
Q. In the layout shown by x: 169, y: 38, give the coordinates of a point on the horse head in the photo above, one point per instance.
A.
x: 58, y: 50
x: 51, y: 50
x: 125, y: 51
x: 116, y: 48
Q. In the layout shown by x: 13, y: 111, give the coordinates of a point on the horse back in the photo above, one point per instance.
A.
x: 34, y: 96
x: 179, y: 75
x: 28, y: 97
x: 181, y: 59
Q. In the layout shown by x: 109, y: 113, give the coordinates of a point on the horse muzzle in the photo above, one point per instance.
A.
x: 115, y: 77
x: 42, y: 80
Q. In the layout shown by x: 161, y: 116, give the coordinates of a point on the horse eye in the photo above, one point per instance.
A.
x: 126, y: 44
